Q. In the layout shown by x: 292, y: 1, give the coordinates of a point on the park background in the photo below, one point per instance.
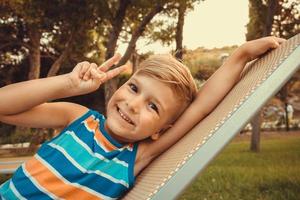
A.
x: 45, y: 38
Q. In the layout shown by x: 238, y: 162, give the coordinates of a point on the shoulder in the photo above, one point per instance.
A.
x: 74, y: 111
x: 71, y: 111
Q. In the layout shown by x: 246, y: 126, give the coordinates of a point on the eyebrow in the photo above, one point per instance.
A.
x: 155, y: 99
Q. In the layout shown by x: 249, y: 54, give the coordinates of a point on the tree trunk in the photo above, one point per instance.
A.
x: 117, y: 22
x: 135, y: 61
x: 58, y: 62
x: 111, y: 86
x: 284, y: 97
x: 256, y: 121
x: 255, y: 137
x: 138, y: 32
x: 287, y: 120
x: 271, y: 11
x: 179, y: 30
x: 34, y: 53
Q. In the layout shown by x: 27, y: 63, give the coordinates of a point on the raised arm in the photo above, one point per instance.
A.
x: 85, y: 78
x: 21, y: 101
x: 213, y: 91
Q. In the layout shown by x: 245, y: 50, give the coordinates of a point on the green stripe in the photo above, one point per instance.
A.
x: 5, y: 191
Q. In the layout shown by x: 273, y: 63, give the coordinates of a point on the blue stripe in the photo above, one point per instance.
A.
x: 95, y: 182
x: 26, y: 188
x: 88, y: 161
x: 5, y: 191
x: 131, y: 165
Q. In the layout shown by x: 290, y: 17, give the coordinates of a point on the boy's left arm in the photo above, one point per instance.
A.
x: 212, y: 92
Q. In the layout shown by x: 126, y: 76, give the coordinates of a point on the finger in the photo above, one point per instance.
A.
x: 77, y: 69
x: 96, y: 74
x: 110, y: 62
x: 281, y: 40
x: 277, y: 41
x: 114, y: 72
x: 87, y: 75
x: 273, y: 42
x: 84, y: 68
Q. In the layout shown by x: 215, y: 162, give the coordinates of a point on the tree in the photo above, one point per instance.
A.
x: 179, y: 29
x: 125, y: 23
x: 31, y: 30
x: 271, y: 17
x: 43, y: 29
x: 126, y: 12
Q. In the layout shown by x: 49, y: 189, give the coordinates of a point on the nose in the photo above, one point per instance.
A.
x: 134, y: 104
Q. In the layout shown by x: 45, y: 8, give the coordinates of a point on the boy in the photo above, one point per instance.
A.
x: 98, y: 158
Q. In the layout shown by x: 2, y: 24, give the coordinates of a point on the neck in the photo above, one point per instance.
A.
x: 119, y: 139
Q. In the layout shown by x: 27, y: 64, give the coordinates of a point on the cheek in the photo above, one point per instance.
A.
x: 149, y: 120
x: 120, y: 94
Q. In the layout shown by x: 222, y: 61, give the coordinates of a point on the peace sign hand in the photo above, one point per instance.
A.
x: 87, y: 77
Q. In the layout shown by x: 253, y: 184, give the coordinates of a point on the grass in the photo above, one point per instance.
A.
x: 272, y: 174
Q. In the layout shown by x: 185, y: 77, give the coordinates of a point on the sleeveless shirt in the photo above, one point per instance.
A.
x: 82, y: 162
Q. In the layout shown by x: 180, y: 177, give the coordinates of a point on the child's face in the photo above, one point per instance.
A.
x: 140, y: 108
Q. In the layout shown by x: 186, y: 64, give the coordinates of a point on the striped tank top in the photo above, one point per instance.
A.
x: 82, y: 162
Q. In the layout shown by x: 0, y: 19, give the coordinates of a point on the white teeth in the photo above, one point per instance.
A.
x: 124, y: 117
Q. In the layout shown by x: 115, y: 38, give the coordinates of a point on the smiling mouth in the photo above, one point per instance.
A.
x: 124, y: 116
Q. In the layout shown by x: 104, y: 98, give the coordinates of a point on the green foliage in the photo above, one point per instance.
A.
x: 204, y: 62
x: 21, y: 135
x: 58, y: 22
x: 285, y: 22
x: 5, y: 133
x: 257, y: 19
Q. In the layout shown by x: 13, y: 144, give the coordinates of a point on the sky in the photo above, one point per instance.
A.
x: 212, y: 23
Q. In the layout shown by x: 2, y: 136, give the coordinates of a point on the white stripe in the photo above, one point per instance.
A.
x: 83, y: 170
x: 15, y: 191
x: 34, y: 182
x: 53, y: 170
x: 102, y: 146
x: 97, y: 155
x: 121, y: 162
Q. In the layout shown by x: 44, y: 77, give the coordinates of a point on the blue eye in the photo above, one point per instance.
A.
x: 133, y: 87
x: 154, y: 107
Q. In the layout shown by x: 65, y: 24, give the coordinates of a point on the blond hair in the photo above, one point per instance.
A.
x: 167, y: 69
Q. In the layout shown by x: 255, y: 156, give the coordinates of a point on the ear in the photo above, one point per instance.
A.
x: 156, y: 136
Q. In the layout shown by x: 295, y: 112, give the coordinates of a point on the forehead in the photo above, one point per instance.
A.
x: 156, y: 89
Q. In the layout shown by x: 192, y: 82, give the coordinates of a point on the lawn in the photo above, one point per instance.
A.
x: 237, y: 173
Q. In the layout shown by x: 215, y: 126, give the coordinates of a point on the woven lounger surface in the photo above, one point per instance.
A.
x: 171, y: 172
